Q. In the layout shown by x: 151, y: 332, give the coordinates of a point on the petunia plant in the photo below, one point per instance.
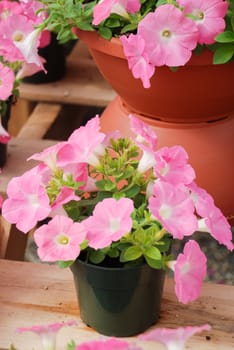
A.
x: 153, y: 33
x: 19, y: 42
x: 117, y: 201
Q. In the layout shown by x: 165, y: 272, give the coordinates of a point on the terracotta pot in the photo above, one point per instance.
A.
x: 193, y: 107
x: 210, y: 146
x: 197, y: 92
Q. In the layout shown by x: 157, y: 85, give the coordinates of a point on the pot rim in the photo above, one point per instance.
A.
x: 123, y: 268
x: 114, y: 47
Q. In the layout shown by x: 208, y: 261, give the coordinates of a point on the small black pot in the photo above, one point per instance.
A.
x: 3, y: 146
x: 118, y: 301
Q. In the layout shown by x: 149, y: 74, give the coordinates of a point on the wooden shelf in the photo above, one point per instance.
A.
x: 82, y: 84
x: 42, y: 294
x: 19, y: 149
x: 18, y: 152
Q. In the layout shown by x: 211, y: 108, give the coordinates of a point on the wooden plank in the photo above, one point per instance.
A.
x: 40, y: 293
x: 12, y: 241
x: 19, y: 150
x: 4, y: 236
x: 16, y: 244
x: 82, y: 84
x: 20, y: 112
x: 39, y: 122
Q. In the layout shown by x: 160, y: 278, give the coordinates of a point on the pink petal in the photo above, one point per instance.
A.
x: 189, y: 272
x: 173, y: 339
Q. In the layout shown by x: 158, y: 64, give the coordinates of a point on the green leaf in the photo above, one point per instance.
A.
x: 96, y: 256
x: 132, y: 192
x: 223, y: 54
x: 128, y: 172
x: 109, y: 185
x: 155, y: 264
x: 100, y: 184
x: 106, y: 33
x: 84, y: 244
x: 225, y: 37
x: 65, y: 264
x: 174, y: 69
x: 164, y: 246
x: 128, y: 28
x: 161, y: 2
x: 232, y: 22
x: 85, y: 26
x: 112, y: 23
x: 131, y: 253
x: 71, y: 345
x: 152, y: 253
x: 140, y: 235
x: 113, y: 253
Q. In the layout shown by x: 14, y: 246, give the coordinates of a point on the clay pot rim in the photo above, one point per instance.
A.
x: 114, y: 47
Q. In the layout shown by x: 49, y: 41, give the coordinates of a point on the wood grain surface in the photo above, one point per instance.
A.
x: 32, y: 293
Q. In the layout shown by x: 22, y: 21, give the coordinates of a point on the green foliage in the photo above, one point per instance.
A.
x: 65, y: 15
x: 117, y: 176
x: 223, y: 54
x: 65, y: 264
x: 96, y: 256
x: 71, y: 345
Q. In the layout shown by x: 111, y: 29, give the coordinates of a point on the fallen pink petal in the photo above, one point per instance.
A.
x: 174, y: 339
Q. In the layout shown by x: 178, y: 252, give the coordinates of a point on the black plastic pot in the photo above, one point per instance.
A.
x: 3, y: 146
x: 119, y: 301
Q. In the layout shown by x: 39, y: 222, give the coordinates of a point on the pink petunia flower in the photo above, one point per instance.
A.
x: 8, y: 8
x: 48, y: 156
x: 28, y: 69
x: 138, y: 60
x: 172, y: 36
x: 217, y: 225
x: 172, y: 165
x: 213, y: 220
x: 84, y: 145
x: 13, y: 33
x: 173, y: 207
x: 107, y: 344
x: 104, y: 8
x: 45, y: 38
x: 47, y: 332
x: 30, y: 9
x: 173, y: 339
x: 202, y: 200
x: 147, y: 160
x: 27, y: 201
x: 28, y: 46
x: 7, y: 79
x: 208, y: 16
x: 144, y: 132
x: 4, y: 135
x: 110, y: 221
x: 66, y: 195
x: 147, y: 140
x: 1, y: 201
x: 60, y: 239
x: 189, y: 272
